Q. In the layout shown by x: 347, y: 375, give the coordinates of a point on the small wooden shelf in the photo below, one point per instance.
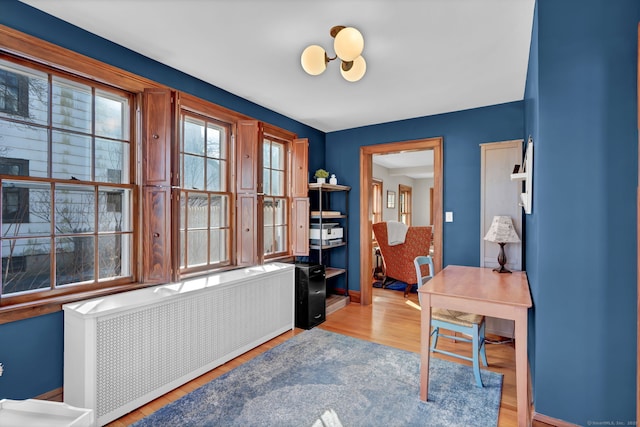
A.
x: 328, y: 187
x: 325, y: 216
x: 333, y: 272
x: 326, y: 246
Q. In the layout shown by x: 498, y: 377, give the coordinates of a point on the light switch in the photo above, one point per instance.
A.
x: 448, y: 217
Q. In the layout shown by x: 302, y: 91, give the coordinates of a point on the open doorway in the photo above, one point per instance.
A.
x: 366, y: 204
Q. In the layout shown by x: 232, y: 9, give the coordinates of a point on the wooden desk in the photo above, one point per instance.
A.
x: 481, y: 291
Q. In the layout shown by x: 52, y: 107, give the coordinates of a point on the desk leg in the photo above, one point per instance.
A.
x: 425, y: 335
x: 522, y: 391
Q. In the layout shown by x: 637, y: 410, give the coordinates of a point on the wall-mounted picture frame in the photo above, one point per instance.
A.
x: 391, y: 199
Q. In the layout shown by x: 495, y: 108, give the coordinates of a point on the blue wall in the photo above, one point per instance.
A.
x: 32, y: 349
x: 581, y: 109
x: 462, y: 133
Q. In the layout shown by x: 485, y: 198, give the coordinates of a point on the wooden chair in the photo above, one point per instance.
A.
x: 398, y: 259
x: 469, y: 324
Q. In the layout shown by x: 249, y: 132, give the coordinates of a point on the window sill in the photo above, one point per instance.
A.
x: 26, y: 310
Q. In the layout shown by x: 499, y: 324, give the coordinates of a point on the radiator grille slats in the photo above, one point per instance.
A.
x: 140, y: 352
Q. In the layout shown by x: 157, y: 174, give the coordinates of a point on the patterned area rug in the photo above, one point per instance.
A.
x: 320, y: 378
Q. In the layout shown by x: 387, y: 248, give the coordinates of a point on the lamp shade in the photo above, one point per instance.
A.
x: 348, y: 44
x: 502, y: 231
x: 356, y: 71
x: 314, y: 60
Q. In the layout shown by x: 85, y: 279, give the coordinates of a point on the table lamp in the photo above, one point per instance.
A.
x: 501, y: 232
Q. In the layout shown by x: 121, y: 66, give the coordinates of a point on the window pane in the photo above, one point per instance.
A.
x: 112, y: 161
x: 183, y: 209
x: 266, y: 153
x: 193, y: 173
x: 280, y: 238
x: 280, y: 213
x: 216, y: 138
x: 193, y: 136
x: 218, y: 254
x: 183, y: 243
x: 35, y: 198
x: 112, y: 116
x: 269, y: 246
x: 277, y: 156
x: 277, y: 183
x: 198, y: 211
x: 74, y: 209
x: 74, y: 259
x: 218, y: 211
x: 197, y: 244
x: 71, y: 157
x: 269, y: 210
x: 71, y: 107
x: 25, y: 265
x: 19, y: 141
x: 216, y: 175
x: 114, y: 256
x: 266, y: 181
x: 114, y: 207
x: 24, y: 93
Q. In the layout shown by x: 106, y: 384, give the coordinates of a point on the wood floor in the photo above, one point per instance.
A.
x: 391, y: 320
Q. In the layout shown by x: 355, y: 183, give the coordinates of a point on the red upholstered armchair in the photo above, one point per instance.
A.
x: 398, y: 259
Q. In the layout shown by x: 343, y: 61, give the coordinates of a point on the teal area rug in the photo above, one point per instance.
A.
x: 320, y: 378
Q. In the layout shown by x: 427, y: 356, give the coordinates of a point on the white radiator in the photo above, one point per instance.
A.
x: 124, y: 350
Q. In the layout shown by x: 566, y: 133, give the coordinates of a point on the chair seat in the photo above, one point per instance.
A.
x: 456, y: 317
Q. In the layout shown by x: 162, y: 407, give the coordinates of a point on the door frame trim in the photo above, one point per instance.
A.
x: 366, y: 176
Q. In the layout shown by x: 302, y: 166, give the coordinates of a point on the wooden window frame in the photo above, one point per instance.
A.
x: 44, y: 296
x: 208, y: 118
x: 285, y: 198
x: 150, y: 193
x: 376, y: 203
x: 405, y: 200
x: 41, y: 55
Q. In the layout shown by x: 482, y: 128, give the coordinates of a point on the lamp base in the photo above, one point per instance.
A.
x: 501, y: 269
x: 502, y: 260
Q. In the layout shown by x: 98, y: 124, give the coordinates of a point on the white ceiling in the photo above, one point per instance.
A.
x: 424, y: 57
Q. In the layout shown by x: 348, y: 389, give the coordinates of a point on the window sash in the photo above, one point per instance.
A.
x: 276, y: 197
x: 205, y: 202
x: 61, y: 231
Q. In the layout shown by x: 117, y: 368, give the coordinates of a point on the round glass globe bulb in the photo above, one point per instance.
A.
x: 348, y: 44
x: 313, y: 60
x: 357, y: 70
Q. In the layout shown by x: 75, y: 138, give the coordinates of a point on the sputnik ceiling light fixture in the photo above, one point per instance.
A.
x: 348, y: 44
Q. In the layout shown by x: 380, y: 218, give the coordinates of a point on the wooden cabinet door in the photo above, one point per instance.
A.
x: 157, y: 134
x: 247, y: 230
x: 247, y: 180
x: 299, y: 197
x: 300, y: 226
x: 299, y: 167
x: 156, y: 248
x: 157, y: 137
x: 247, y: 143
